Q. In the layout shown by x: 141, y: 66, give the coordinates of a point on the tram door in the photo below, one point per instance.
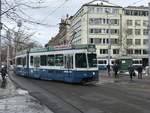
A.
x: 68, y: 66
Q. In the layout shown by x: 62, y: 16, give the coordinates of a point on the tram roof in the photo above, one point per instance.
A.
x: 89, y: 47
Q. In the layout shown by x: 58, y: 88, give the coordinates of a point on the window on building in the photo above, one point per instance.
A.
x: 114, y: 31
x: 129, y: 42
x: 115, y: 51
x: 43, y: 60
x: 91, y: 30
x: 145, y: 23
x: 91, y: 40
x: 145, y: 42
x: 103, y: 51
x: 144, y: 13
x: 114, y: 22
x: 91, y: 9
x: 96, y: 40
x: 100, y: 40
x: 99, y: 10
x: 145, y: 51
x: 51, y: 60
x: 129, y: 51
x: 104, y: 41
x: 129, y: 22
x: 129, y: 31
x: 137, y: 41
x: 115, y: 11
x: 114, y: 41
x: 137, y: 23
x: 137, y: 51
x: 59, y: 60
x: 107, y: 41
x: 145, y: 31
x: 137, y: 31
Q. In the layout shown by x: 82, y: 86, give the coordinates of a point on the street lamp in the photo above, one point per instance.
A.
x: 149, y: 39
x: 109, y: 39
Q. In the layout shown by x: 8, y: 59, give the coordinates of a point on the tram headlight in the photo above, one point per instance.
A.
x: 93, y: 73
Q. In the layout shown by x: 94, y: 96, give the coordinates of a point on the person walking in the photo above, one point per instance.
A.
x: 115, y: 69
x: 3, y: 72
x: 140, y: 69
x: 131, y: 71
x: 108, y: 69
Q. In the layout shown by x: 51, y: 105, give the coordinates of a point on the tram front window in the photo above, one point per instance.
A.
x: 80, y: 59
x: 92, y: 60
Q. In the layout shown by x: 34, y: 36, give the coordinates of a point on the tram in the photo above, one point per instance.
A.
x: 76, y: 64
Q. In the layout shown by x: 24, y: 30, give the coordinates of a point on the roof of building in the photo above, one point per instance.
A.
x: 102, y: 3
x: 137, y: 7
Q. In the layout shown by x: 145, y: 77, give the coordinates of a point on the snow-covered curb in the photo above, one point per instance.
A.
x: 14, y: 100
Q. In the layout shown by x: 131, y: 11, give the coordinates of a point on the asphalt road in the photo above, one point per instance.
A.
x: 119, y: 97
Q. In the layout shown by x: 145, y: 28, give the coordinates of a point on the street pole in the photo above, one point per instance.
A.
x: 0, y: 34
x: 8, y: 49
x: 149, y: 39
x: 109, y: 39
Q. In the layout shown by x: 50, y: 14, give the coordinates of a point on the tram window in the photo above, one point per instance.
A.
x: 37, y: 61
x: 19, y: 62
x: 140, y: 61
x: 31, y: 60
x: 43, y: 60
x: 50, y: 60
x: 24, y: 61
x: 92, y: 60
x: 80, y: 60
x: 102, y: 62
x: 112, y: 62
x: 69, y: 61
x: 59, y: 60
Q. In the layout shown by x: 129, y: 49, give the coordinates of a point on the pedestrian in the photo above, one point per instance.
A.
x: 140, y: 69
x: 131, y: 71
x: 3, y: 72
x: 108, y: 69
x: 115, y: 69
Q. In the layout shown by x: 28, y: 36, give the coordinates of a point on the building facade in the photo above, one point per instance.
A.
x: 62, y: 37
x: 102, y: 23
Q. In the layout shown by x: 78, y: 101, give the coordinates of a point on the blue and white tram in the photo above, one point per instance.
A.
x: 73, y: 65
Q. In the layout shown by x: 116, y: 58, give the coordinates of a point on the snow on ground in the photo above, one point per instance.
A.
x: 14, y: 100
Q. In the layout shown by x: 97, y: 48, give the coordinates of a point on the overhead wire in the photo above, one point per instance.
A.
x: 53, y: 11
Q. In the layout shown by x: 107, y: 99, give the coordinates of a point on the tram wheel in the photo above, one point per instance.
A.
x: 83, y: 82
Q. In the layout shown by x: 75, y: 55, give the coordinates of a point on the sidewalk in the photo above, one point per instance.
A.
x: 104, y: 78
x: 13, y: 100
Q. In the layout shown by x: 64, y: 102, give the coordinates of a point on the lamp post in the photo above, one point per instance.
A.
x: 19, y: 24
x: 149, y: 39
x: 109, y: 39
x: 0, y: 34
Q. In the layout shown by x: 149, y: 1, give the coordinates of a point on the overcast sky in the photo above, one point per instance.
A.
x: 51, y: 16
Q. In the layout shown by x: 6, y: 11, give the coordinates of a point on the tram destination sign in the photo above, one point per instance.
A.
x: 91, y: 48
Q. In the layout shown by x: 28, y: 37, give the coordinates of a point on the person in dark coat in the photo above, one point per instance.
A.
x: 116, y: 69
x: 108, y: 69
x: 140, y: 69
x: 131, y: 71
x: 3, y: 72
